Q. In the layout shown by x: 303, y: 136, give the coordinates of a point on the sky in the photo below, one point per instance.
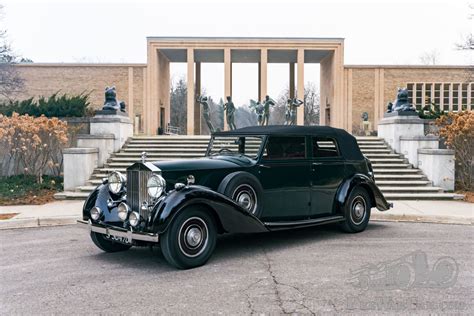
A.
x: 375, y: 32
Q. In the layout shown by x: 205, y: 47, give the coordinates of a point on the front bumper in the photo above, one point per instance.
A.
x: 119, y: 232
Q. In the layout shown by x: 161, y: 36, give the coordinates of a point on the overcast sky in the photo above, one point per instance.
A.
x: 375, y: 32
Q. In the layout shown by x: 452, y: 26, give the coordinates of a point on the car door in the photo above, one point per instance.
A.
x: 284, y: 174
x: 327, y: 173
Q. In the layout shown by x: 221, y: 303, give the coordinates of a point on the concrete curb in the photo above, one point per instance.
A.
x: 72, y: 220
x: 38, y: 222
x: 422, y: 219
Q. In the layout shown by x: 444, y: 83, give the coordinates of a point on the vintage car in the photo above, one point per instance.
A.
x: 251, y: 180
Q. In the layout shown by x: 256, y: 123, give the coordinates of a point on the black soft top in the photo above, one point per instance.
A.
x: 347, y: 143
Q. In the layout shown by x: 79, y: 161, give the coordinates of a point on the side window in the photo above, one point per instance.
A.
x: 324, y: 147
x: 285, y: 147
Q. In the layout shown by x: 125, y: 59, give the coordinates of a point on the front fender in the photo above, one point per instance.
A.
x: 378, y: 200
x: 232, y: 218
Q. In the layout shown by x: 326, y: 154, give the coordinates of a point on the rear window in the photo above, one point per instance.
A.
x: 285, y: 147
x: 324, y: 147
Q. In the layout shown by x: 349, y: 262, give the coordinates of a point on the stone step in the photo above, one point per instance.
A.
x: 396, y: 171
x: 399, y: 183
x: 423, y: 196
x: 371, y: 156
x: 387, y: 160
x: 401, y: 177
x: 377, y: 166
x: 86, y: 188
x: 70, y: 195
x: 408, y: 189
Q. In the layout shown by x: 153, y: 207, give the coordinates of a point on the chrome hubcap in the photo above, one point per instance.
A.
x: 194, y: 236
x: 246, y: 197
x: 358, y: 210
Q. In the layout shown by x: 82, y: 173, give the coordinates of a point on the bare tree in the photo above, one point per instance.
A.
x: 467, y: 43
x: 10, y: 81
x: 430, y: 58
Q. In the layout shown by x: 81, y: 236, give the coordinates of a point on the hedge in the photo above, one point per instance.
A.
x: 54, y: 106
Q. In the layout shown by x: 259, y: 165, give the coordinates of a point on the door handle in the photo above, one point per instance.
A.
x: 264, y: 166
x: 317, y: 163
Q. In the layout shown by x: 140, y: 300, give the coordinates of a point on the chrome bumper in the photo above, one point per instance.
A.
x: 120, y: 232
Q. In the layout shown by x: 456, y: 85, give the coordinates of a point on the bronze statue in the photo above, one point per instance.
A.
x: 111, y: 103
x: 401, y: 103
x: 230, y: 112
x: 259, y: 109
x: 291, y: 110
x: 268, y: 102
x: 206, y: 111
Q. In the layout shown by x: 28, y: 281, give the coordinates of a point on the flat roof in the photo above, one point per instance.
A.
x: 410, y: 66
x: 238, y: 38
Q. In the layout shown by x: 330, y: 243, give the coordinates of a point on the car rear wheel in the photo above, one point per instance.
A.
x: 190, y: 239
x: 356, y: 211
x: 245, y: 190
x: 106, y: 244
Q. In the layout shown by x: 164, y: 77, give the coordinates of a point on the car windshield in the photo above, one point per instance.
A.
x: 248, y: 146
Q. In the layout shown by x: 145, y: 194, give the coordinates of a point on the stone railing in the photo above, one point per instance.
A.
x: 405, y: 133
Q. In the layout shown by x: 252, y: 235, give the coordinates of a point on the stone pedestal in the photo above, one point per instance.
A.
x: 438, y: 165
x: 409, y: 146
x: 78, y: 163
x: 116, y: 124
x: 400, y: 124
x: 104, y: 143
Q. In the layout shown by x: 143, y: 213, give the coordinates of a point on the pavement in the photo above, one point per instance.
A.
x: 318, y: 271
x: 67, y: 212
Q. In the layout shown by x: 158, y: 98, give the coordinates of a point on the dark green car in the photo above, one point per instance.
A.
x: 253, y: 179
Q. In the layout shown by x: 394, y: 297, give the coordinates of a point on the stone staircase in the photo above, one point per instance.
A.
x: 397, y: 179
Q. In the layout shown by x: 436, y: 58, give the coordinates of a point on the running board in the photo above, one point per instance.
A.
x: 306, y: 222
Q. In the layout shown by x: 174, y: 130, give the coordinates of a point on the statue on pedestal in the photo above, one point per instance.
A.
x: 111, y: 103
x: 259, y: 109
x: 206, y: 111
x: 267, y: 103
x: 229, y: 107
x: 401, y: 103
x: 291, y: 110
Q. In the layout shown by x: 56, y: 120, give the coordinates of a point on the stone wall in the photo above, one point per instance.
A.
x: 46, y: 79
x: 374, y: 86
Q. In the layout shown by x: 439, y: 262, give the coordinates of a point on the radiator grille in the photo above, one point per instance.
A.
x: 137, y: 191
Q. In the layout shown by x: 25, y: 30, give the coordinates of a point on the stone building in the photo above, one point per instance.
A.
x: 347, y: 91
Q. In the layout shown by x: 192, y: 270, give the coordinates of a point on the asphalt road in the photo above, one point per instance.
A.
x: 59, y: 271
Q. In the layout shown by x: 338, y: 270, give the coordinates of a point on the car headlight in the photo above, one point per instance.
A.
x: 95, y: 213
x: 116, y: 182
x: 156, y: 186
x: 134, y: 219
x: 122, y: 211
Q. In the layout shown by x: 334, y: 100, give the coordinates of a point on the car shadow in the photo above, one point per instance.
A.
x: 234, y: 246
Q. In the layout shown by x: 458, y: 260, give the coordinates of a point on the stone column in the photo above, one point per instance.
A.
x: 292, y: 81
x: 396, y: 125
x: 197, y: 106
x: 227, y: 79
x: 191, y: 95
x: 300, y: 87
x: 262, y: 84
x: 438, y: 166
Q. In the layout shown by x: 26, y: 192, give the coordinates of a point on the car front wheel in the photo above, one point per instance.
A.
x: 190, y: 239
x: 356, y: 211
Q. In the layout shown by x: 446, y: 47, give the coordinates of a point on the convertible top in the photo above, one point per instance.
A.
x: 347, y: 143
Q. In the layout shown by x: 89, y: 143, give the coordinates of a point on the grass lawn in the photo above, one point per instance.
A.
x: 16, y: 190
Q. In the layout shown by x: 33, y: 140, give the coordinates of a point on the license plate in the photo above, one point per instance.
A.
x: 122, y: 240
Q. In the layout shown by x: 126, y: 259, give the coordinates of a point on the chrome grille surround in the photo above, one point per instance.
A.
x: 137, y: 193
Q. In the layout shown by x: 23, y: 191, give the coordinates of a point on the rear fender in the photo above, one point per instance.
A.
x: 232, y: 218
x: 377, y: 198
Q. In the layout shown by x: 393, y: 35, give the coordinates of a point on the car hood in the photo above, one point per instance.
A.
x: 215, y: 162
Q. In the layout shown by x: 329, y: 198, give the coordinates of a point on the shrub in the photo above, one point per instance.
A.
x: 458, y: 131
x: 54, y: 106
x: 33, y: 144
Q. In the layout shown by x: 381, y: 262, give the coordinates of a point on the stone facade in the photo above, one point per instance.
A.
x: 46, y: 79
x: 370, y: 88
x: 364, y: 88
